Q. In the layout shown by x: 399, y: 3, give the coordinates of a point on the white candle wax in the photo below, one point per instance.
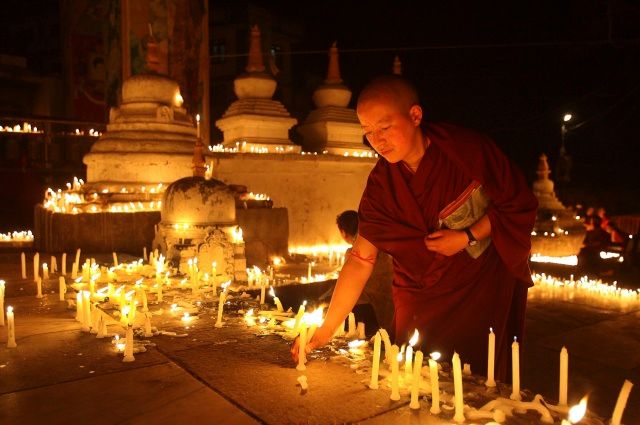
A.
x: 621, y: 403
x: 435, y: 387
x: 11, y: 329
x: 159, y: 296
x: 39, y: 287
x: 74, y: 271
x: 86, y: 308
x: 491, y: 359
x: 515, y: 370
x: 278, y: 303
x: 352, y: 326
x: 145, y: 306
x: 375, y: 367
x: 564, y: 377
x: 36, y: 266
x: 262, y: 293
x: 296, y: 323
x: 115, y: 259
x: 77, y: 262
x: 23, y: 263
x: 62, y: 287
x: 223, y: 296
x: 387, y: 344
x: 408, y: 362
x: 144, y: 253
x: 302, y: 353
x: 64, y: 264
x: 45, y: 271
x: 395, y: 390
x: 457, y: 384
x: 2, y: 288
x: 361, y: 331
x: 128, y: 347
x: 416, y: 380
x: 79, y: 310
x: 54, y: 264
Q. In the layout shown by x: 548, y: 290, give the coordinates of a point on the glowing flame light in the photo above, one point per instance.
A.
x: 414, y: 338
x: 435, y: 355
x: 236, y: 234
x: 577, y: 412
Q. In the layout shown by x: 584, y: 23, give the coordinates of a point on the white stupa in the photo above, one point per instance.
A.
x: 256, y: 122
x: 333, y: 127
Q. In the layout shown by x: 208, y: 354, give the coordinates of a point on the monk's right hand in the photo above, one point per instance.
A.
x: 320, y: 338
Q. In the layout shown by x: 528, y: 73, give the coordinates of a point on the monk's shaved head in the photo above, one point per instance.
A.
x: 390, y: 89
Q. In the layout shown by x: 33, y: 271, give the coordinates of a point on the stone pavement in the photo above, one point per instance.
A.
x: 58, y: 374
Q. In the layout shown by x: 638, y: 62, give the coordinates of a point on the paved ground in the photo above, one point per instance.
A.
x: 58, y: 374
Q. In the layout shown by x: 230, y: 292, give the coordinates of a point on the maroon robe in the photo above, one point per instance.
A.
x: 453, y: 301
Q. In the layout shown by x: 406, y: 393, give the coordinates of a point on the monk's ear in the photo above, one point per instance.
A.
x: 416, y: 115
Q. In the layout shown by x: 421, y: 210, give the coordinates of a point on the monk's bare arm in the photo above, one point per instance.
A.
x: 449, y: 242
x: 351, y: 281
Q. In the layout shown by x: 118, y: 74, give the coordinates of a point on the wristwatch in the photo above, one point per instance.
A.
x: 472, y: 239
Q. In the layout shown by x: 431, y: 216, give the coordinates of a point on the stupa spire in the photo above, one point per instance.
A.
x: 397, y: 66
x: 543, y: 170
x: 333, y: 72
x: 255, y: 63
x: 152, y: 58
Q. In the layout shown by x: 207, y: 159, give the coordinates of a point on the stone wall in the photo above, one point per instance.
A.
x: 314, y: 189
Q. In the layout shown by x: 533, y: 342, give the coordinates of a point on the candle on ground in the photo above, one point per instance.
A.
x: 276, y: 300
x: 262, y: 293
x: 62, y: 287
x: 74, y: 271
x: 128, y: 347
x: 54, y: 264
x: 491, y: 359
x: 11, y: 329
x: 86, y: 308
x: 77, y: 262
x: 45, y: 271
x: 408, y: 359
x: 616, y: 418
x: 298, y: 319
x: 64, y: 263
x: 361, y: 331
x: 352, y: 326
x: 515, y: 370
x: 2, y: 287
x: 223, y: 298
x: 375, y: 368
x: 302, y: 353
x: 416, y: 380
x: 147, y: 325
x: 387, y: 344
x: 564, y: 377
x: 145, y: 306
x: 39, y: 287
x: 36, y: 266
x: 115, y: 259
x: 435, y: 385
x: 79, y: 311
x: 23, y: 263
x: 395, y: 390
x: 144, y: 253
x: 214, y: 274
x: 457, y: 384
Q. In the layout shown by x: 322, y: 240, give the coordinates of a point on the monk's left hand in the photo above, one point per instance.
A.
x: 446, y: 241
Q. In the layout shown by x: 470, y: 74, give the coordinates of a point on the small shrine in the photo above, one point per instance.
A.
x: 255, y: 122
x: 558, y: 232
x: 333, y: 127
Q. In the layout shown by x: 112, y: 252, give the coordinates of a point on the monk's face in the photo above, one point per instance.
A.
x: 392, y: 129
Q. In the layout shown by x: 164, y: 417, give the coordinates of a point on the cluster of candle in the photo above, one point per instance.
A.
x: 26, y: 128
x: 594, y: 289
x: 91, y: 132
x: 362, y: 154
x: 254, y: 196
x: 17, y: 236
x: 569, y: 260
x: 333, y: 253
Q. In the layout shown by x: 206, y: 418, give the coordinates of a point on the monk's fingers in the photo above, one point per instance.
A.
x: 435, y: 235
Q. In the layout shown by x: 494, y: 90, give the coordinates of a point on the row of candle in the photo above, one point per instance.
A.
x: 17, y: 236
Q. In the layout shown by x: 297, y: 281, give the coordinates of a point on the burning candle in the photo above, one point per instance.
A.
x: 39, y: 287
x: 408, y: 359
x: 36, y: 266
x: 198, y: 125
x: 577, y: 412
x: 23, y: 263
x: 491, y: 382
x: 564, y: 377
x: 375, y: 367
x: 64, y: 263
x: 128, y: 347
x: 620, y: 404
x: 11, y: 329
x: 223, y: 298
x: 457, y: 384
x: 435, y: 385
x: 62, y: 287
x: 296, y: 323
x: 395, y: 358
x: 302, y: 351
x: 2, y: 283
x: 387, y: 344
x: 45, y: 271
x: 415, y: 384
x: 276, y: 300
x: 515, y: 370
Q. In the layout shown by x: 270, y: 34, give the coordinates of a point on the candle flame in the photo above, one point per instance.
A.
x: 249, y: 313
x: 139, y: 281
x: 304, y: 303
x: 491, y: 330
x: 435, y: 356
x: 225, y: 285
x: 577, y: 412
x: 272, y: 292
x: 9, y: 309
x: 198, y: 117
x: 357, y: 343
x: 414, y: 338
x: 399, y: 357
x: 236, y: 234
x: 314, y: 318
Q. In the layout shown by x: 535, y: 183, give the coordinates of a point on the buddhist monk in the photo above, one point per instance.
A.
x: 451, y: 283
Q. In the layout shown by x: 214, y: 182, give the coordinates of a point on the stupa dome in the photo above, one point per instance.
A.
x: 197, y: 201
x: 151, y: 88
